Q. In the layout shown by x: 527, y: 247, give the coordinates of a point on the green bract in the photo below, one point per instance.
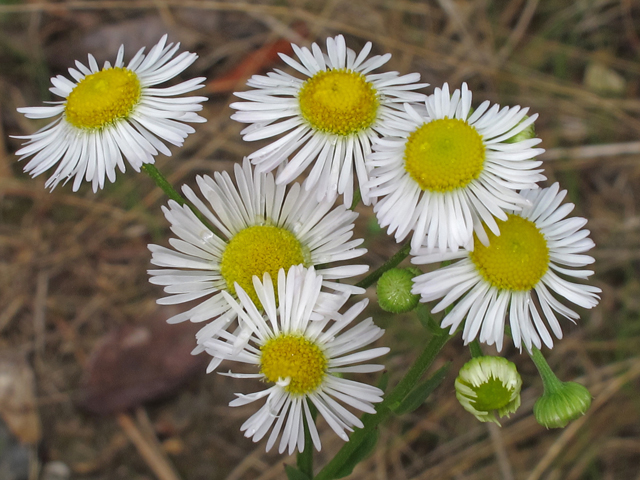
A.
x: 526, y: 134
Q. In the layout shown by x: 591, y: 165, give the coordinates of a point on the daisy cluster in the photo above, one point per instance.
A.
x: 461, y: 181
x: 267, y: 264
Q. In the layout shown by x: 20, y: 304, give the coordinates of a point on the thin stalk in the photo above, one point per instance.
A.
x: 304, y: 459
x: 550, y: 382
x: 357, y: 196
x: 385, y: 408
x: 161, y: 181
x: 476, y: 350
x: 388, y: 265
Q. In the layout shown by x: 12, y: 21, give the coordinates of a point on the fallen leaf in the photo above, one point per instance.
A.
x: 135, y: 364
x: 604, y: 80
x: 255, y: 62
x: 18, y: 407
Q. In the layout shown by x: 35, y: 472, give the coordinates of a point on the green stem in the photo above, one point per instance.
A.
x: 384, y: 409
x: 476, y: 350
x: 388, y: 265
x: 304, y: 459
x: 162, y: 182
x: 173, y: 194
x: 357, y: 196
x: 550, y: 382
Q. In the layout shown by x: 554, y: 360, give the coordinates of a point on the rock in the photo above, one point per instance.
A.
x: 56, y: 471
x: 14, y: 456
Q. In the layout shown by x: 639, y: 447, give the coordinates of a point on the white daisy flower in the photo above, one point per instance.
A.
x: 515, y: 274
x: 446, y: 174
x: 301, y: 359
x: 113, y: 112
x: 263, y: 227
x: 331, y: 117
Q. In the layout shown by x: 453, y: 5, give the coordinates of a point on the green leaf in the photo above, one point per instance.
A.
x: 418, y: 395
x: 363, y: 451
x: 384, y: 381
x: 427, y: 320
x: 294, y: 474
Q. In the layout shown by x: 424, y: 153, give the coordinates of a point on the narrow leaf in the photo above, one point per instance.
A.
x: 419, y: 394
x: 294, y: 474
x: 363, y: 451
x: 384, y: 381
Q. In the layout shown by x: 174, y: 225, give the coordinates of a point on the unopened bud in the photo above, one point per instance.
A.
x: 489, y: 385
x: 394, y: 290
x: 564, y: 403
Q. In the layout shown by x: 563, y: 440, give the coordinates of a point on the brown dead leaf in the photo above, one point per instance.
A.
x: 18, y: 406
x: 136, y: 364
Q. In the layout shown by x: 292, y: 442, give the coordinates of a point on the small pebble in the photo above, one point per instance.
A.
x: 56, y: 471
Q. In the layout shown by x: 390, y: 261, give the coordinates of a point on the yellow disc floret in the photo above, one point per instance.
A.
x: 256, y: 250
x: 517, y: 259
x: 102, y: 98
x: 444, y: 154
x: 295, y: 357
x: 338, y: 101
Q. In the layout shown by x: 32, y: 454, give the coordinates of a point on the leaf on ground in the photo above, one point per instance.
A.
x: 255, y: 62
x: 135, y: 364
x: 18, y: 406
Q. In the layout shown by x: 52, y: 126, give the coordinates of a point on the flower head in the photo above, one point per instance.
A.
x: 331, y: 117
x: 445, y: 175
x: 110, y: 113
x: 301, y: 357
x: 535, y: 247
x: 562, y: 404
x: 489, y: 385
x: 263, y: 228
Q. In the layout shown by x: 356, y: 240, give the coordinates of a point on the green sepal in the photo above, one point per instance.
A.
x: 294, y: 474
x: 363, y: 451
x: 526, y: 134
x: 419, y: 395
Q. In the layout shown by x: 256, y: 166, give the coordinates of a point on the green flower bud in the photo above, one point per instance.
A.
x: 562, y: 404
x: 526, y: 134
x: 489, y: 385
x: 394, y: 290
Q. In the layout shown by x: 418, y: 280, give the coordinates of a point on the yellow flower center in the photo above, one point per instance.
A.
x: 256, y: 250
x: 338, y: 101
x: 102, y: 98
x: 517, y: 259
x: 293, y: 356
x: 444, y: 154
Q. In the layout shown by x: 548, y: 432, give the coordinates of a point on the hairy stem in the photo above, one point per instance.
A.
x: 388, y: 265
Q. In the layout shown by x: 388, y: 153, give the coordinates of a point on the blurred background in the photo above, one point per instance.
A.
x: 95, y: 386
